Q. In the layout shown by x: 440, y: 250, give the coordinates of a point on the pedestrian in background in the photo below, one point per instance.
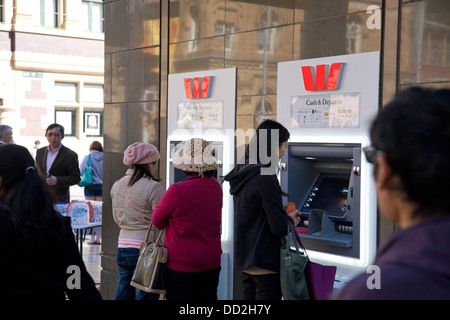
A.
x: 39, y: 256
x: 57, y: 164
x: 94, y: 191
x: 411, y: 156
x: 191, y: 213
x: 134, y: 198
x: 33, y: 151
x: 6, y: 134
x: 260, y: 220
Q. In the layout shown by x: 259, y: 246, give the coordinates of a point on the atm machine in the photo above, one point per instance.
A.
x: 202, y: 104
x: 328, y: 104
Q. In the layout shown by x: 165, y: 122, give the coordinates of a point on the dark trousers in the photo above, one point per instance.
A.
x: 262, y: 287
x: 192, y: 285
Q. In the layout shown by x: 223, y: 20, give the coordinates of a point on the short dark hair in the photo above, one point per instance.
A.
x: 208, y: 174
x: 55, y: 125
x: 96, y: 145
x: 413, y: 131
x: 4, y: 129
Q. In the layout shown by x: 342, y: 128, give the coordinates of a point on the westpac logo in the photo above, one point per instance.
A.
x: 322, y: 77
x: 198, y: 88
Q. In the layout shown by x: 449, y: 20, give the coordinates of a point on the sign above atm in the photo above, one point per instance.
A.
x: 314, y: 78
x: 332, y: 96
x: 198, y: 87
x: 201, y: 100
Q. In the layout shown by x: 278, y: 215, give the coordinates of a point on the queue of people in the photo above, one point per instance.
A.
x: 410, y: 149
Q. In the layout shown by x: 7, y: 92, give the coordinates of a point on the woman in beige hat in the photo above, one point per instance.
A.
x: 134, y: 198
x: 191, y: 212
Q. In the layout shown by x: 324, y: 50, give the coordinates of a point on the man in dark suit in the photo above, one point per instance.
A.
x: 57, y: 164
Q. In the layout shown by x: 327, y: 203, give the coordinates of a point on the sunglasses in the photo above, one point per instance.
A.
x: 371, y: 152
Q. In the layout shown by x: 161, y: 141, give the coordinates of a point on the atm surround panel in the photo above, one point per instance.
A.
x: 320, y: 179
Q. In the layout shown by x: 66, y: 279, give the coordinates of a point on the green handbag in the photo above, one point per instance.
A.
x: 86, y: 179
x: 292, y: 269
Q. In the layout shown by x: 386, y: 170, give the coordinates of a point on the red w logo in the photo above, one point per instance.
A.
x: 197, y: 87
x: 333, y: 79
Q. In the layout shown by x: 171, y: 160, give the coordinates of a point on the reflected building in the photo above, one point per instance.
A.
x: 51, y: 69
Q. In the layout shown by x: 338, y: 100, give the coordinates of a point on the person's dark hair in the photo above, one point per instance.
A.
x: 4, y: 129
x: 208, y: 174
x: 265, y: 127
x: 55, y: 125
x: 24, y: 196
x: 413, y: 131
x: 95, y: 145
x: 270, y: 126
x: 141, y: 171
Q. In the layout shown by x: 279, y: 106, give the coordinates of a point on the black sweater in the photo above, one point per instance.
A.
x: 38, y: 268
x: 260, y: 220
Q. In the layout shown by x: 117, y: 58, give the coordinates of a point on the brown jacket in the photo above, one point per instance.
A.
x: 65, y: 168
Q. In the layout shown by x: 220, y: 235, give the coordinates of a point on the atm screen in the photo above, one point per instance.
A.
x: 329, y: 194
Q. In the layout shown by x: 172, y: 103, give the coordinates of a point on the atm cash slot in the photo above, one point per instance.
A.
x: 322, y: 229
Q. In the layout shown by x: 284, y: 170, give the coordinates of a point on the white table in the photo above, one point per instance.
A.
x: 80, y: 229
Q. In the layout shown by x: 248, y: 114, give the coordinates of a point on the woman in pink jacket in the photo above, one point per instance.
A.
x: 191, y: 212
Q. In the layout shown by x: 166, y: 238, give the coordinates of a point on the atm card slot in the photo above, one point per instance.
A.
x: 322, y: 230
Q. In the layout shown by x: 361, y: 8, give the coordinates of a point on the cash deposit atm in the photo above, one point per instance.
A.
x: 328, y: 104
x: 202, y: 104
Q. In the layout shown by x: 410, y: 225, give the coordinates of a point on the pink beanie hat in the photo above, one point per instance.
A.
x: 140, y: 153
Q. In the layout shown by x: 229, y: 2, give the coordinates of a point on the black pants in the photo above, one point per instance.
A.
x: 262, y: 287
x: 192, y: 285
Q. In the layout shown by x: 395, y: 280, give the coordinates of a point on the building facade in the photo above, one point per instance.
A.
x: 51, y: 70
x: 146, y: 40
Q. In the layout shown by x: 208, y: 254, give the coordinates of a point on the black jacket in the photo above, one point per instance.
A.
x: 259, y: 218
x: 44, y: 268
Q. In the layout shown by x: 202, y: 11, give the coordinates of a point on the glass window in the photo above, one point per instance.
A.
x: 68, y: 119
x: 2, y: 19
x: 45, y: 13
x: 93, y: 16
x: 93, y: 93
x: 65, y: 91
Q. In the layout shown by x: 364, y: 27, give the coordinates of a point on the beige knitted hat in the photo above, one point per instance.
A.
x: 195, y: 156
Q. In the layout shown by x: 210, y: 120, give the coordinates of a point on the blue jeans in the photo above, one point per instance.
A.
x: 93, y: 190
x: 126, y: 262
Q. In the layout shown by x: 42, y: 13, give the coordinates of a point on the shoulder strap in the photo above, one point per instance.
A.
x: 126, y: 194
x: 295, y: 238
